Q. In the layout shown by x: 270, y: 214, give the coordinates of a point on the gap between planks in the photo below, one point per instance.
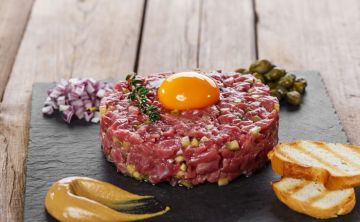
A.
x: 14, y: 17
x: 203, y: 34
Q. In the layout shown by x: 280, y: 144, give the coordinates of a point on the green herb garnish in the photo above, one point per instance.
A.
x: 138, y: 92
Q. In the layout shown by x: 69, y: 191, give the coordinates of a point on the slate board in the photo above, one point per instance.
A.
x: 57, y: 150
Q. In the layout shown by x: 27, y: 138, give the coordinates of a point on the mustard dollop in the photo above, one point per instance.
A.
x: 85, y: 199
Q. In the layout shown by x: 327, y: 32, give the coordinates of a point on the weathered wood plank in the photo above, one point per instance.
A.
x: 13, y: 20
x: 188, y: 34
x: 317, y: 35
x: 227, y: 36
x: 63, y: 39
x: 170, y: 36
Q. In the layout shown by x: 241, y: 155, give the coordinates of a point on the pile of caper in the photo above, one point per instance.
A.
x: 282, y: 84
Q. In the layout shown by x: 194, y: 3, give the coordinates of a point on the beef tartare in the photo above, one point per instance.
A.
x: 213, y: 144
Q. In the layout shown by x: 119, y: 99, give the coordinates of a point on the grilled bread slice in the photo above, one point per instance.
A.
x: 313, y: 199
x: 337, y: 166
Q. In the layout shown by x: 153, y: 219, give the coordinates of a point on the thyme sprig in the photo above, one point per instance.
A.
x: 138, y: 92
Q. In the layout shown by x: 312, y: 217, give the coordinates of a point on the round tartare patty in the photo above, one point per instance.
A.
x: 214, y: 144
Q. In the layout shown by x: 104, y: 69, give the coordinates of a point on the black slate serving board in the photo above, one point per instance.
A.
x: 57, y: 150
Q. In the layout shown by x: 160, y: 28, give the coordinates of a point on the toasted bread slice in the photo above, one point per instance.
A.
x: 337, y: 166
x: 313, y: 199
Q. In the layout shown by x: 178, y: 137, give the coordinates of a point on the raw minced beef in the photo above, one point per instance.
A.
x: 214, y: 144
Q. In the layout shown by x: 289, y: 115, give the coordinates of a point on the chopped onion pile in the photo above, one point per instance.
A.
x: 79, y: 97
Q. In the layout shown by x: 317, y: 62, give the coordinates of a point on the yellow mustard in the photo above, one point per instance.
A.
x: 85, y: 199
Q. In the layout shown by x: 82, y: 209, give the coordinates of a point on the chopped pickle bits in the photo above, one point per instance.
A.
x: 233, y: 145
x: 185, y: 141
x: 179, y: 158
x: 194, y: 142
x: 223, y: 181
x: 183, y: 167
x: 255, y: 130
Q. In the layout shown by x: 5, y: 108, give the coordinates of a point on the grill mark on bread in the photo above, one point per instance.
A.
x: 297, y: 146
x: 314, y: 199
x: 311, y: 200
x: 298, y: 187
x: 318, y: 197
x: 319, y: 159
x: 284, y: 156
x: 343, y: 158
x: 352, y: 147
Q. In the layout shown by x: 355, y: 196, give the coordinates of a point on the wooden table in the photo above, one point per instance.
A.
x: 45, y: 40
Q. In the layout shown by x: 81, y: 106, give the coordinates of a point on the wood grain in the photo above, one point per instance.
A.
x: 227, y: 36
x: 180, y: 35
x: 170, y: 37
x: 13, y: 19
x: 63, y: 39
x: 317, y: 35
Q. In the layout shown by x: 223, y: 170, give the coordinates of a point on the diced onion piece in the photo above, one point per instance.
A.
x: 80, y: 113
x: 224, y: 109
x: 63, y: 107
x: 61, y: 100
x: 100, y: 93
x: 204, y: 139
x: 237, y: 100
x: 47, y: 110
x: 67, y: 115
x: 209, y: 127
x: 96, y: 118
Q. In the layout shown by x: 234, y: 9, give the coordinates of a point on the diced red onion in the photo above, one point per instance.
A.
x: 47, y: 109
x: 96, y: 117
x: 77, y: 97
x: 88, y: 104
x: 77, y: 103
x: 62, y: 108
x: 88, y: 116
x: 90, y: 88
x: 61, y: 100
x: 80, y: 113
x: 100, y: 93
x: 67, y: 115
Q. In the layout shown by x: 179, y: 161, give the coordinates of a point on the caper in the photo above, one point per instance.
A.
x: 243, y: 71
x: 267, y: 77
x: 300, y: 85
x: 259, y: 76
x: 261, y: 66
x: 240, y: 70
x: 282, y: 90
x: 281, y: 83
x: 278, y: 92
x: 293, y: 98
x: 275, y: 74
x: 272, y: 85
x: 287, y: 81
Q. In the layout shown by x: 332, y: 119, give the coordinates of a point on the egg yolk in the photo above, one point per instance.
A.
x: 188, y: 90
